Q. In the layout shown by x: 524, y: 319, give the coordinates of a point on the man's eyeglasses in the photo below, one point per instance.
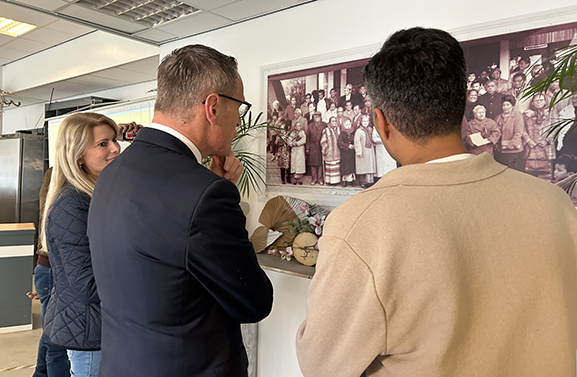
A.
x: 244, y: 106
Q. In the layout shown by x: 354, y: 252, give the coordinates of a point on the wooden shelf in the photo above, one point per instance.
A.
x: 292, y: 267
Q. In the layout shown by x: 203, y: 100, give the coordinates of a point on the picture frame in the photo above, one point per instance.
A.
x: 473, y: 39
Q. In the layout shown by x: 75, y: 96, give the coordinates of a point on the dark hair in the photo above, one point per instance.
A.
x: 519, y: 74
x: 569, y: 161
x: 508, y: 98
x: 419, y: 81
x: 188, y: 74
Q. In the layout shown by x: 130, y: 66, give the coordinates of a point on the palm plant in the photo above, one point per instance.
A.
x: 564, y: 72
x: 254, y: 164
x: 563, y: 63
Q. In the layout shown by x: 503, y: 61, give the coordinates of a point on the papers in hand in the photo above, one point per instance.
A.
x: 478, y: 140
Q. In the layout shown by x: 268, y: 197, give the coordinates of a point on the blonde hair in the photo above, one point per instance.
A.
x: 74, y: 137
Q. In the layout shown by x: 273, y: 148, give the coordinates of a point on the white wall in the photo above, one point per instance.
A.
x: 326, y: 27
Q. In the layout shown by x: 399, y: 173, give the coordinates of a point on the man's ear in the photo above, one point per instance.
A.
x: 210, y: 107
x: 382, y: 124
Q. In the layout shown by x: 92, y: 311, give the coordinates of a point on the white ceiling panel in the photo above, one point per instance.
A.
x: 8, y: 53
x: 5, y: 39
x: 48, y: 36
x: 156, y: 35
x: 61, y: 21
x: 97, y: 82
x: 94, y: 17
x: 194, y: 24
x: 147, y: 66
x: 50, y: 5
x: 26, y: 45
x: 69, y: 27
x: 122, y: 76
x: 209, y: 4
x: 21, y: 14
x: 251, y: 8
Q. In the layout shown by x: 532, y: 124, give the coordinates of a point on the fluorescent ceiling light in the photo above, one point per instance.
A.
x: 152, y: 12
x: 14, y: 28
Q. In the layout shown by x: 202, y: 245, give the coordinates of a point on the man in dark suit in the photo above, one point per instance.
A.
x: 175, y: 270
x: 355, y: 98
x: 492, y: 100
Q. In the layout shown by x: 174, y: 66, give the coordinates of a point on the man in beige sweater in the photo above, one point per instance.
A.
x: 452, y: 265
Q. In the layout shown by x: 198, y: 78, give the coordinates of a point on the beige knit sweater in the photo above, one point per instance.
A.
x: 463, y: 268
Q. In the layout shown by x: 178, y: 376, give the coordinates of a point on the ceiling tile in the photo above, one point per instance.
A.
x: 156, y: 35
x: 251, y: 8
x: 96, y: 82
x: 44, y: 35
x: 208, y: 4
x: 69, y: 27
x: 4, y: 61
x: 122, y: 76
x: 9, y: 53
x: 147, y: 66
x: 5, y: 39
x: 193, y: 24
x: 22, y: 14
x: 26, y: 45
x: 49, y: 5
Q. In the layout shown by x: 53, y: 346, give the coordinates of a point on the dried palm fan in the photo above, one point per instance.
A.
x: 276, y: 211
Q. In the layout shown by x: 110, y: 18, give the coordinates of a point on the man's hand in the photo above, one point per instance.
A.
x: 127, y: 127
x: 228, y: 167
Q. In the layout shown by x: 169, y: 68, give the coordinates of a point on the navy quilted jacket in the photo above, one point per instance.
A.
x: 72, y: 319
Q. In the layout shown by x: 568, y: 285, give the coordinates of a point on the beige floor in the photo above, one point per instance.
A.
x: 18, y: 349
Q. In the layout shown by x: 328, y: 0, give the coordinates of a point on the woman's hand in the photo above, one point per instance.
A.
x: 123, y: 128
x: 32, y: 295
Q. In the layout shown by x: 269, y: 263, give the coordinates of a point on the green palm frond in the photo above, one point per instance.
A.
x: 564, y: 72
x: 254, y: 173
x: 570, y: 186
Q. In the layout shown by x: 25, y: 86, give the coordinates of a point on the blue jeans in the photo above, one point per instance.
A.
x: 84, y: 363
x: 52, y: 361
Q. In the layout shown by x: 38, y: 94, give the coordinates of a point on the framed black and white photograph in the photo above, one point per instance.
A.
x: 324, y: 140
x: 513, y: 129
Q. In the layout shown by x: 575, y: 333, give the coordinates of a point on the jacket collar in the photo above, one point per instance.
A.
x: 165, y: 140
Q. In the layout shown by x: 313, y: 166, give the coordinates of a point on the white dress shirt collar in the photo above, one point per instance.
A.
x: 455, y: 157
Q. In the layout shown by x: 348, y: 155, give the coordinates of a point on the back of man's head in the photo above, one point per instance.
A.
x: 188, y: 74
x: 418, y: 80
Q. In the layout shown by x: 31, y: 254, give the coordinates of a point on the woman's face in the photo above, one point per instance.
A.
x: 347, y: 125
x: 539, y: 101
x: 479, y: 112
x: 560, y: 171
x: 333, y: 122
x: 365, y: 121
x: 102, y: 150
x: 473, y: 95
x: 507, y: 107
x: 298, y: 126
x: 472, y: 77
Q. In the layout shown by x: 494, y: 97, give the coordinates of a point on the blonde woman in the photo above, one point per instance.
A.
x: 86, y: 144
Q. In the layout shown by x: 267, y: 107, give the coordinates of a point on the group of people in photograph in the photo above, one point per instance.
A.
x: 331, y: 139
x: 514, y: 129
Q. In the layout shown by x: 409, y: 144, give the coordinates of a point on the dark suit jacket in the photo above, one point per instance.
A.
x: 175, y: 270
x: 356, y: 99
